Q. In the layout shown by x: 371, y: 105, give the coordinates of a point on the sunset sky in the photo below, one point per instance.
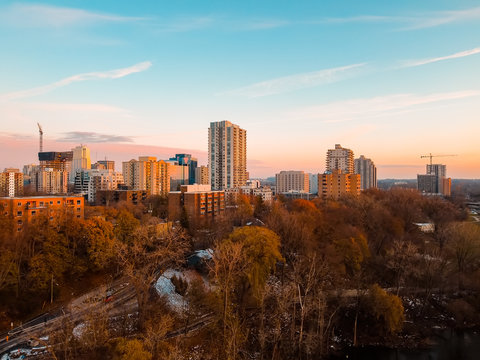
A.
x: 391, y: 80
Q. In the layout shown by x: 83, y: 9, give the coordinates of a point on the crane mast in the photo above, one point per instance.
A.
x: 41, y: 137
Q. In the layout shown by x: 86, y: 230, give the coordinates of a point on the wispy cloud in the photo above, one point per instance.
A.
x: 408, y: 21
x: 443, y: 17
x: 412, y: 63
x: 111, y: 74
x: 295, y: 82
x: 356, y: 109
x: 47, y: 16
x: 92, y: 137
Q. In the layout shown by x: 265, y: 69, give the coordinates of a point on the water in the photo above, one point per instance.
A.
x: 449, y: 345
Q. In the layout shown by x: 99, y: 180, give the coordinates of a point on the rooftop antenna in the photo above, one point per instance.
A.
x: 41, y: 136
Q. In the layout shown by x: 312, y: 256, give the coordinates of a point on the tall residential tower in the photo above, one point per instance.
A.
x: 368, y: 171
x: 227, y: 155
x: 340, y: 159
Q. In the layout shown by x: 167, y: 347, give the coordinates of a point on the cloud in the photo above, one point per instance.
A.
x: 92, y: 137
x: 412, y: 63
x: 356, y: 109
x: 47, y: 16
x: 295, y: 82
x: 409, y: 22
x: 111, y: 74
x: 443, y: 17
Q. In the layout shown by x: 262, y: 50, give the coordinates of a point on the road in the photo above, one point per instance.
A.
x: 122, y: 301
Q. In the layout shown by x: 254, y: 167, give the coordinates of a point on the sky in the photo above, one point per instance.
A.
x: 391, y: 80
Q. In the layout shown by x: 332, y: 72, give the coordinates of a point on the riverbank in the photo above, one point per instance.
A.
x: 440, y: 322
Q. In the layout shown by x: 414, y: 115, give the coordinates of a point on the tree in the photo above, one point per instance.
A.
x: 131, y: 350
x: 241, y: 263
x: 354, y: 251
x: 146, y: 256
x: 464, y: 247
x: 100, y: 242
x: 125, y: 226
x: 260, y: 252
x: 386, y: 307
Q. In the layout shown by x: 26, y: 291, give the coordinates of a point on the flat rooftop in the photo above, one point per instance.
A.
x: 39, y: 197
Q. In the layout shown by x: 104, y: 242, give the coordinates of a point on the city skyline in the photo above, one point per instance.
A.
x: 389, y: 81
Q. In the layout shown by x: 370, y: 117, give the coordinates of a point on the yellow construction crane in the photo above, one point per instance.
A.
x: 432, y: 156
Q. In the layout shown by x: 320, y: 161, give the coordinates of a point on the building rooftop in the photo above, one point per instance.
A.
x: 38, y: 197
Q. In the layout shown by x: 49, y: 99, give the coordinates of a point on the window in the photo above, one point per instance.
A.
x: 79, y: 209
x: 41, y: 203
x: 78, y: 202
x: 78, y: 216
x: 19, y: 204
x: 19, y: 213
x: 34, y: 213
x: 51, y: 202
x: 19, y: 222
x: 58, y: 202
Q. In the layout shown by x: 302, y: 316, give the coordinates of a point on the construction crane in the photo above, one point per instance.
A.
x: 432, y: 156
x: 41, y: 136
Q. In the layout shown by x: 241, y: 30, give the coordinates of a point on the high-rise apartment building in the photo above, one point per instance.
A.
x: 288, y: 181
x: 333, y: 185
x: 11, y: 183
x: 201, y: 175
x: 435, y: 181
x: 227, y: 155
x: 340, y: 159
x: 147, y: 174
x: 50, y: 181
x: 80, y: 160
x: 368, y: 172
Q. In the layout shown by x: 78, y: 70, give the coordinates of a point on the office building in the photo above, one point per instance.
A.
x: 201, y: 175
x: 227, y: 155
x: 104, y: 165
x: 26, y: 209
x: 80, y: 161
x: 11, y: 182
x: 147, y: 174
x: 190, y: 162
x: 198, y: 201
x: 368, y: 172
x: 333, y: 185
x: 340, y: 159
x: 292, y: 181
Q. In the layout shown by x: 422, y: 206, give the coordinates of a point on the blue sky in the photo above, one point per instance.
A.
x: 390, y: 80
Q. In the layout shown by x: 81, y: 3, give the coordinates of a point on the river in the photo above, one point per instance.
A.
x: 449, y: 345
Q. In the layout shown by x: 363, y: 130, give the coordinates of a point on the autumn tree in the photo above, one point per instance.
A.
x: 386, y: 308
x: 242, y: 263
x: 146, y: 256
x: 126, y: 224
